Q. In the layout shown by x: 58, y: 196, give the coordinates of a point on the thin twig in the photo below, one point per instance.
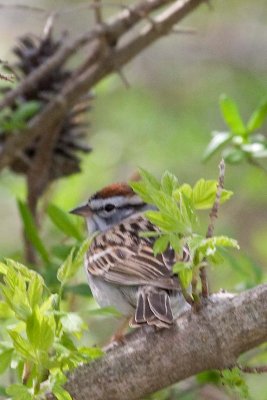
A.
x: 213, y: 215
x: 8, y: 78
x: 215, y: 208
x: 194, y: 287
x: 260, y: 369
x: 9, y: 68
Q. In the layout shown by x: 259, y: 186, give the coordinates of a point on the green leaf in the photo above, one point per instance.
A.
x: 72, y: 323
x: 63, y: 222
x: 51, y: 303
x: 40, y: 330
x: 185, y: 189
x: 79, y: 257
x: 3, y: 269
x: 208, y: 377
x: 223, y: 241
x: 26, y: 272
x: 233, y: 155
x: 216, y: 258
x: 258, y: 117
x: 187, y: 212
x: 142, y: 191
x: 218, y: 140
x: 26, y: 111
x: 65, y: 270
x: 180, y: 266
x: 17, y: 119
x: 5, y: 359
x: 164, y: 222
x: 185, y: 277
x: 233, y: 379
x: 70, y: 266
x: 31, y: 230
x: 169, y: 183
x: 184, y: 271
x: 35, y: 290
x: 18, y: 391
x: 60, y: 393
x: 149, y: 179
x: 5, y: 310
x: 82, y: 289
x: 207, y: 247
x: 57, y: 380
x: 21, y: 345
x: 256, y: 150
x: 204, y: 193
x: 91, y: 352
x: 231, y: 115
x: 175, y: 242
x: 15, y: 294
x: 160, y: 244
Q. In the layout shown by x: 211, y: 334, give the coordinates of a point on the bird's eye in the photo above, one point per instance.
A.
x: 109, y: 207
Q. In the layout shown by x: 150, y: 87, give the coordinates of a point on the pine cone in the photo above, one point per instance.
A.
x: 31, y: 52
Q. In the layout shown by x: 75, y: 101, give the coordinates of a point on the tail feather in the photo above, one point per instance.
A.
x: 160, y: 305
x: 153, y: 308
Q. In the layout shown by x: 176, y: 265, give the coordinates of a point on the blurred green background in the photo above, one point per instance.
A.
x: 163, y: 121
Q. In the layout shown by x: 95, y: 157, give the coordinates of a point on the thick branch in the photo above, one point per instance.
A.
x: 149, y: 361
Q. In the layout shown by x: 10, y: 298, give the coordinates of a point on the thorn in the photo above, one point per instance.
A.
x: 47, y: 31
x: 144, y: 16
x: 97, y: 7
x: 123, y: 78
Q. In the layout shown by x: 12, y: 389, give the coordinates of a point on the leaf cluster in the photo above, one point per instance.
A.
x: 64, y: 252
x: 175, y: 213
x: 39, y: 343
x: 242, y: 141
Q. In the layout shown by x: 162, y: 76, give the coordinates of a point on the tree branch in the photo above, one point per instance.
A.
x: 151, y: 360
x: 102, y: 60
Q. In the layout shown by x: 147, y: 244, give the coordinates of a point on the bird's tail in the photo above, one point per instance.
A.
x: 153, y: 308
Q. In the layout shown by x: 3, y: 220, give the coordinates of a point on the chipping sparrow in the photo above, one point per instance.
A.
x: 121, y: 268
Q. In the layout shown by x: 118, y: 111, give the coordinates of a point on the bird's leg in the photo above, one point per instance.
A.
x: 119, y: 335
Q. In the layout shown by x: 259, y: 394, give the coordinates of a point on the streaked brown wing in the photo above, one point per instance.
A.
x: 121, y: 256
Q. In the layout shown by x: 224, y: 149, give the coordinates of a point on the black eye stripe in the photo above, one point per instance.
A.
x: 125, y: 207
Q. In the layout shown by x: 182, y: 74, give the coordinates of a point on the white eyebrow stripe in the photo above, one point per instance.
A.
x: 118, y: 201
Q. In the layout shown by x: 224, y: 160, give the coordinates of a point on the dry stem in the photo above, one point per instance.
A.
x: 213, y: 215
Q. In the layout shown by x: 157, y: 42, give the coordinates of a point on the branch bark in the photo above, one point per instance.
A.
x: 151, y: 360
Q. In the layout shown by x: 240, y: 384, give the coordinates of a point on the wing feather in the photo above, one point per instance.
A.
x: 121, y: 256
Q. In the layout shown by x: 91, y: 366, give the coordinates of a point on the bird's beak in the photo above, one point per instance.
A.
x: 83, y: 210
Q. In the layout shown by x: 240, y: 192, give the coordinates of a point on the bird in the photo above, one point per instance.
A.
x: 121, y: 267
